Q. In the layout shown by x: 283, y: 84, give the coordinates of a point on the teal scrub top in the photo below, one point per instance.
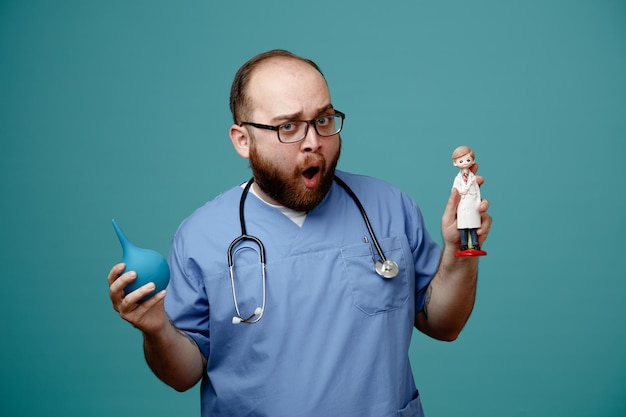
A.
x: 334, y: 338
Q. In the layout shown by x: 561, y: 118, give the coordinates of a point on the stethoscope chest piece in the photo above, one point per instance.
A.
x: 387, y: 269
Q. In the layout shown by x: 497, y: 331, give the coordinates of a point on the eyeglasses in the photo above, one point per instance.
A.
x: 296, y: 130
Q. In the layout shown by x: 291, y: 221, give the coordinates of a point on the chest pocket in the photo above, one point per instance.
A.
x: 372, y: 293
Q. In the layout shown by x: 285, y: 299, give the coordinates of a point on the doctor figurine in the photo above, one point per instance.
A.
x: 468, y: 217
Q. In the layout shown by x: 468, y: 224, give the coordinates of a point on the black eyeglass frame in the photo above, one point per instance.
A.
x: 313, y: 122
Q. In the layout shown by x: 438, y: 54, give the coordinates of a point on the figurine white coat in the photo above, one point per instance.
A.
x: 468, y: 216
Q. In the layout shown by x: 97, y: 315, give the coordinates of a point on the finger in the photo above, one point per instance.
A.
x: 449, y: 213
x: 483, y: 206
x: 130, y: 301
x: 122, y: 281
x: 142, y: 314
x: 116, y: 290
x: 150, y: 302
x: 484, y: 229
x: 140, y: 293
x: 479, y: 180
x: 137, y: 301
x: 115, y: 272
x: 485, y: 219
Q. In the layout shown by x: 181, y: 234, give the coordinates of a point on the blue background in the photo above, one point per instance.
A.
x: 119, y: 109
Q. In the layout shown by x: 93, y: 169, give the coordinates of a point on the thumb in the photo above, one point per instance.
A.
x: 449, y: 214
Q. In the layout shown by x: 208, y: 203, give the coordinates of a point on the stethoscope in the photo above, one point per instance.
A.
x: 384, y: 267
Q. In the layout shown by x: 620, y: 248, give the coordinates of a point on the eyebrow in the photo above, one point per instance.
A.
x: 298, y: 115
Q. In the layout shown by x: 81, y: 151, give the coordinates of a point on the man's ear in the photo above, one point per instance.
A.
x: 240, y: 138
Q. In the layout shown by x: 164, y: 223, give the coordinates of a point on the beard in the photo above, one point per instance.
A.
x: 287, y: 188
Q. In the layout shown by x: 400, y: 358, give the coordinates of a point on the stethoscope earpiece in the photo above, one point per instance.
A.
x: 258, y: 313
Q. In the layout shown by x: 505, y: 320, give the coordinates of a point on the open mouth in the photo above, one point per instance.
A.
x: 311, y: 175
x: 310, y: 172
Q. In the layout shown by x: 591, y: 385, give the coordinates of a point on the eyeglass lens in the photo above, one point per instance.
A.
x: 296, y: 131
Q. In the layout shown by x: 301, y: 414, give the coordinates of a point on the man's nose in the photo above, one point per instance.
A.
x: 311, y: 141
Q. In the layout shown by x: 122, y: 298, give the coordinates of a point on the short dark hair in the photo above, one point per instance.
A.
x: 240, y: 104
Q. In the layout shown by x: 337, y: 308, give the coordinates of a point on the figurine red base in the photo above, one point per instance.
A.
x: 470, y: 252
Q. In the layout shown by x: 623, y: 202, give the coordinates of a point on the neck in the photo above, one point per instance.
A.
x: 256, y: 190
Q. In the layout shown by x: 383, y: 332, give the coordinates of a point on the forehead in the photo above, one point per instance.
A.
x: 467, y: 155
x: 284, y: 86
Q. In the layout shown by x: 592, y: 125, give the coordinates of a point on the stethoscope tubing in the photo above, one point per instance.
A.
x: 386, y: 268
x: 365, y: 218
x: 258, y: 313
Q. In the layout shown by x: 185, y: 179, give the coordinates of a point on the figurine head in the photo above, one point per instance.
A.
x: 463, y: 157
